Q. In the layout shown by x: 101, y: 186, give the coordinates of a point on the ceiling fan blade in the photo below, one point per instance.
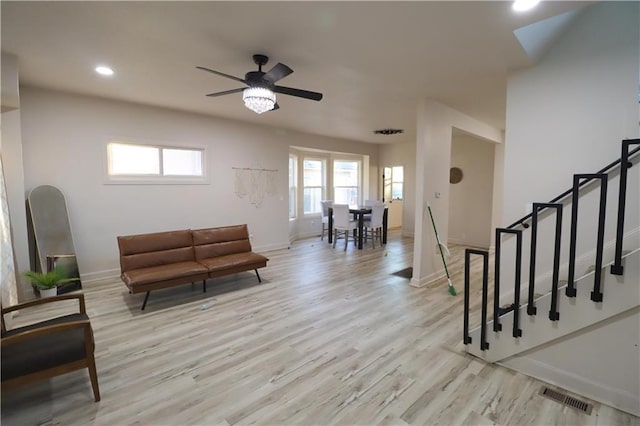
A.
x: 226, y: 92
x: 315, y: 96
x: 278, y: 72
x: 223, y: 74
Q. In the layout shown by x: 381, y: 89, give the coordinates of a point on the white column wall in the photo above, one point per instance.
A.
x: 433, y: 161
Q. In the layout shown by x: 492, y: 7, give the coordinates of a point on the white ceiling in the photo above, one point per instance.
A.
x: 372, y: 60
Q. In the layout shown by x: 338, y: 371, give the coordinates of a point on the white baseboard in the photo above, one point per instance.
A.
x: 426, y: 280
x: 271, y: 247
x: 468, y: 244
x: 617, y: 398
x: 100, y: 275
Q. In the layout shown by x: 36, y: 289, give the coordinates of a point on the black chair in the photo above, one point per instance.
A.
x: 49, y: 348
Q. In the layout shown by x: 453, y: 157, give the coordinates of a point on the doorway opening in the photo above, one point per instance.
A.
x: 393, y: 194
x: 470, y: 190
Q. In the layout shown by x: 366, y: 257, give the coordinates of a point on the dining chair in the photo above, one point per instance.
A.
x: 374, y: 224
x: 367, y: 216
x: 325, y: 216
x: 342, y: 222
x: 48, y: 348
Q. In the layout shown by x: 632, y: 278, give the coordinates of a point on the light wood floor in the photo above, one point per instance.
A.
x: 328, y: 338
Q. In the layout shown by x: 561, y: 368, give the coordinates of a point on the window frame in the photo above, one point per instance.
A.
x: 154, y: 179
x: 389, y: 181
x: 358, y: 187
x: 323, y: 187
x: 293, y: 188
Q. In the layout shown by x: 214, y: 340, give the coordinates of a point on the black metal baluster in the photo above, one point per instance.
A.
x: 531, y: 309
x: 466, y: 338
x: 496, y: 285
x: 485, y: 290
x: 485, y: 293
x: 596, y: 294
x: 554, y: 315
x: 570, y: 291
x: 616, y: 268
x: 517, y: 332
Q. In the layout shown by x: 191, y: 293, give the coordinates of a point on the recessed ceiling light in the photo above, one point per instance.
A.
x: 524, y: 5
x: 103, y: 70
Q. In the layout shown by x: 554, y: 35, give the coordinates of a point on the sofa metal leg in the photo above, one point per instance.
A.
x: 204, y: 286
x: 146, y: 297
x: 258, y: 275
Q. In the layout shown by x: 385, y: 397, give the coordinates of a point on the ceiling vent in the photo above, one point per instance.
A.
x: 388, y: 131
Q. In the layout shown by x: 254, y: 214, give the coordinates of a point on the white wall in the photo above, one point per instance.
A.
x: 64, y: 139
x: 433, y: 159
x: 403, y: 154
x: 569, y: 113
x: 566, y: 115
x: 471, y: 200
x: 611, y: 345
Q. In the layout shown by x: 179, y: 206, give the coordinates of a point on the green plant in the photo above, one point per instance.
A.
x: 51, y: 279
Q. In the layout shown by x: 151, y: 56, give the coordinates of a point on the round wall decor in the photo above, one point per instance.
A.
x: 455, y: 175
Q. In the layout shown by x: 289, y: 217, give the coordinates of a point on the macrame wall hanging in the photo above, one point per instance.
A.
x: 254, y: 184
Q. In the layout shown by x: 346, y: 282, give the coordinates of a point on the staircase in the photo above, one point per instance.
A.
x: 562, y: 331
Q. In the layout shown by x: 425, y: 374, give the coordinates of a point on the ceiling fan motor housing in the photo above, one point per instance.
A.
x: 255, y: 79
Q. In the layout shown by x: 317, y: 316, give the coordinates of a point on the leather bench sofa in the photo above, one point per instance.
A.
x: 166, y: 259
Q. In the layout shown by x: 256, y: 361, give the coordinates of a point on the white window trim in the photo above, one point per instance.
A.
x: 295, y: 186
x: 323, y: 188
x: 348, y: 158
x: 395, y: 181
x: 154, y: 179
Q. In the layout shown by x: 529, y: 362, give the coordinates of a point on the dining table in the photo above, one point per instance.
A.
x: 358, y: 214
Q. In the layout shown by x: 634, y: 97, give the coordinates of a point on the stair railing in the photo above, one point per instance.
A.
x: 517, y: 332
x: 579, y: 181
x: 570, y: 291
x: 616, y: 268
x: 485, y: 291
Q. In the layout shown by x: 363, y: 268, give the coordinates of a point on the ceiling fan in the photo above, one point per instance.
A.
x: 260, y: 96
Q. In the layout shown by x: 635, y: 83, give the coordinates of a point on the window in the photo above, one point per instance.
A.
x: 346, y: 179
x: 313, y: 176
x: 293, y: 185
x: 127, y: 160
x: 393, y: 183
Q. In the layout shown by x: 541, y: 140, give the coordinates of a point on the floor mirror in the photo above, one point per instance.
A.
x: 51, y: 235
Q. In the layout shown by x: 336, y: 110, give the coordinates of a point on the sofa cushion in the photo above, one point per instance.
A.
x: 214, y: 242
x: 150, y: 250
x: 220, y: 235
x: 162, y: 273
x: 232, y: 261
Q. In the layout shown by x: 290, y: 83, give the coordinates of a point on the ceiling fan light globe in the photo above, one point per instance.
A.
x: 259, y: 99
